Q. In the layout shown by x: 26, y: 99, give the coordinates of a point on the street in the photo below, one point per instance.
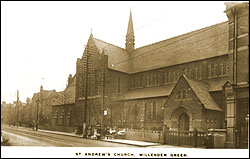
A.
x: 26, y: 137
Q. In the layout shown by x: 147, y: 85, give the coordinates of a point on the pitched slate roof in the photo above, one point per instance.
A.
x: 115, y: 54
x: 45, y: 94
x: 157, y: 91
x: 201, y: 90
x: 216, y: 83
x: 197, y: 45
x: 48, y: 93
x: 67, y: 96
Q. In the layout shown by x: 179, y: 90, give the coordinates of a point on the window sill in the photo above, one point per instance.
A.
x: 152, y: 85
x: 217, y: 76
x: 170, y: 83
x: 136, y: 87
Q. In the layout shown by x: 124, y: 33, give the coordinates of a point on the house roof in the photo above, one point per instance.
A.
x: 157, y: 91
x: 201, y: 90
x: 45, y: 94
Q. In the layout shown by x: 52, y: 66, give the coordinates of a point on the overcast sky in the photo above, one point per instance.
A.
x: 41, y: 41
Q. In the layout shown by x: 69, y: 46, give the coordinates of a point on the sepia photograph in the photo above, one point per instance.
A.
x: 124, y: 79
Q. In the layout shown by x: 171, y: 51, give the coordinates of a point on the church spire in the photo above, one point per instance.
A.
x: 130, y: 38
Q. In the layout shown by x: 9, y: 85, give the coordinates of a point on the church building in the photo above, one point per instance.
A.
x: 198, y: 80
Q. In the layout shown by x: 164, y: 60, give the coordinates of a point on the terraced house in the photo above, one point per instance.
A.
x: 198, y: 80
x: 41, y: 108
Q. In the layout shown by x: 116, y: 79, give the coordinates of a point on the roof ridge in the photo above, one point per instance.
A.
x: 109, y: 43
x: 48, y: 90
x: 208, y: 27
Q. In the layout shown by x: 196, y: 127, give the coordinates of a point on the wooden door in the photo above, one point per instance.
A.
x: 183, y: 122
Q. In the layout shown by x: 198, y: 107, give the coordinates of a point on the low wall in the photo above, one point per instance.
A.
x: 45, y: 127
x: 219, y: 137
x: 64, y: 129
x: 144, y: 135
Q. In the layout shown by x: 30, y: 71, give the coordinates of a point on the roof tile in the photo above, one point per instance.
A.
x: 201, y: 89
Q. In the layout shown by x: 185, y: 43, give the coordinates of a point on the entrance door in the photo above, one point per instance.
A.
x: 183, y: 122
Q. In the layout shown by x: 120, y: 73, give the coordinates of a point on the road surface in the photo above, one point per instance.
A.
x: 26, y: 137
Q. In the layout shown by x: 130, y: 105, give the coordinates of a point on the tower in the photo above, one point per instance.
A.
x: 237, y: 100
x: 130, y: 38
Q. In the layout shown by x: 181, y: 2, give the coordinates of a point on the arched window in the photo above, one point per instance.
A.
x: 173, y: 74
x: 147, y: 112
x: 178, y: 95
x: 165, y: 76
x: 170, y: 75
x: 216, y: 68
x: 140, y: 80
x: 118, y: 85
x: 220, y: 67
x: 154, y: 79
x: 133, y: 81
x: 195, y: 72
x: 209, y: 69
x: 135, y: 111
x: 225, y: 66
x: 154, y: 109
x: 199, y: 71
x: 147, y: 79
x: 184, y: 95
x: 212, y: 69
x: 151, y: 79
x: 158, y: 78
x: 177, y: 74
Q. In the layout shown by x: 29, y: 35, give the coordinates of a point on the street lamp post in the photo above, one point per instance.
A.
x: 39, y: 98
x: 17, y: 106
x: 247, y: 122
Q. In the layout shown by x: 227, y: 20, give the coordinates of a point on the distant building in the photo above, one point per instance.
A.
x: 8, y: 113
x: 24, y: 114
x: 43, y: 101
x: 64, y: 118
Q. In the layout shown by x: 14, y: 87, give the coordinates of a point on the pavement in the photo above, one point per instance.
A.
x: 120, y: 141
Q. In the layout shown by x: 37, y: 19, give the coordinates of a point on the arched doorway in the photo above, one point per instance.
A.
x: 183, y: 122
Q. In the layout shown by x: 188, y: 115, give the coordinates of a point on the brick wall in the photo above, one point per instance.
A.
x: 196, y: 69
x: 138, y: 114
x: 212, y: 120
x: 243, y: 66
x: 112, y: 83
x: 191, y: 105
x: 144, y: 135
x: 239, y: 18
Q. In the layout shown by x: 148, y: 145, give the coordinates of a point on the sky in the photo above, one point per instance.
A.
x: 41, y: 40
